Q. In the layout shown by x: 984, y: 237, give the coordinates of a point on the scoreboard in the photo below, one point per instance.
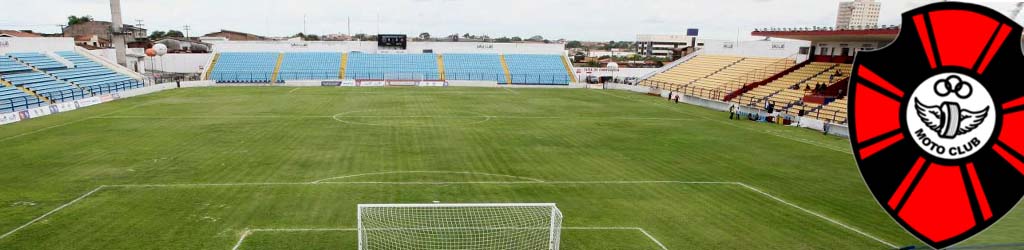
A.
x: 391, y: 41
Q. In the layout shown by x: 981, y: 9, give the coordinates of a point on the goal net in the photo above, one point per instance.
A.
x: 459, y: 226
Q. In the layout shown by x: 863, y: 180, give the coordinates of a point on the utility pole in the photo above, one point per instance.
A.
x: 138, y: 23
x: 62, y: 26
x: 187, y: 28
x: 120, y: 47
x: 349, y: 26
x: 304, y: 25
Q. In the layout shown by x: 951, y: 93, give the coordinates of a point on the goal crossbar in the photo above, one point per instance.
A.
x: 534, y: 226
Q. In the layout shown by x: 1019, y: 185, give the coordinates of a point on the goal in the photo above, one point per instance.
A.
x: 459, y: 226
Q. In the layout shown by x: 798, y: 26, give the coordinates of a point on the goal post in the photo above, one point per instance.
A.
x: 531, y: 226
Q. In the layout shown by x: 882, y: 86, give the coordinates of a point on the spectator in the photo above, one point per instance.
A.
x: 808, y: 88
x: 732, y: 111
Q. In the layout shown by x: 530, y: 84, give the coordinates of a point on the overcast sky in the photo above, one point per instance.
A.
x: 592, y: 20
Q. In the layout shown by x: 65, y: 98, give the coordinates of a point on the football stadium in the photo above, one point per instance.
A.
x: 117, y: 137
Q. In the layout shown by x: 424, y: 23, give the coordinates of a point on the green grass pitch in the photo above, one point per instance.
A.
x: 199, y: 168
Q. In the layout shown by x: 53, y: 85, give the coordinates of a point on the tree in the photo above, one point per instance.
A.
x: 175, y: 33
x: 72, y: 20
x: 536, y: 38
x: 574, y: 45
x: 425, y: 36
x: 454, y: 37
x: 157, y: 35
x: 503, y: 40
x: 467, y: 36
x: 517, y: 39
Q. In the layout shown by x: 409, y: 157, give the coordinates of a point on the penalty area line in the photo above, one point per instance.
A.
x: 740, y: 184
x: 249, y: 232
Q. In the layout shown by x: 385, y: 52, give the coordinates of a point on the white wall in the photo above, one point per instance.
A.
x: 581, y: 72
x: 36, y: 44
x: 179, y: 63
x: 108, y: 54
x: 371, y: 47
x: 773, y: 49
x: 836, y: 48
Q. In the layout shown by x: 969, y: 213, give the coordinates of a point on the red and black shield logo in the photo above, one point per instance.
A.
x: 938, y: 121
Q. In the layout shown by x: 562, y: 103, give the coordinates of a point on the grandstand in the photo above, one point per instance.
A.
x: 262, y: 67
x: 392, y: 67
x: 245, y: 67
x: 92, y: 76
x: 537, y: 69
x: 690, y: 71
x: 736, y: 76
x: 474, y: 67
x: 13, y: 99
x: 33, y: 79
x: 789, y: 89
x: 38, y: 61
x: 716, y: 76
x: 45, y: 86
x: 832, y: 112
x: 309, y: 66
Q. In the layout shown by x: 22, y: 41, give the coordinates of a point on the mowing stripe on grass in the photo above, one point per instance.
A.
x: 429, y: 172
x: 745, y: 186
x: 33, y: 221
x: 734, y: 125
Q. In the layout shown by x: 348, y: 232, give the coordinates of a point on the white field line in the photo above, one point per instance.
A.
x: 734, y: 125
x: 748, y: 187
x: 249, y: 232
x: 293, y: 90
x: 33, y: 221
x: 241, y: 239
x: 510, y: 90
x: 833, y: 221
x: 217, y: 117
x: 430, y: 172
x: 76, y: 121
x: 649, y: 236
x: 398, y: 116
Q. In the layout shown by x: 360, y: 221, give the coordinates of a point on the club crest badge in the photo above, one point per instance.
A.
x: 937, y: 121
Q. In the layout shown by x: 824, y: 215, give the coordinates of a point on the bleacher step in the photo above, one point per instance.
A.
x: 277, y: 68
x: 344, y: 65
x: 508, y: 74
x: 212, y: 64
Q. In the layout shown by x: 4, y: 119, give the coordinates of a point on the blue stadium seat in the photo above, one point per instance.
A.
x: 92, y: 76
x: 537, y: 69
x: 46, y: 86
x: 9, y: 65
x: 38, y: 60
x: 474, y: 67
x: 309, y: 66
x: 392, y: 66
x: 12, y: 100
x: 244, y: 67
